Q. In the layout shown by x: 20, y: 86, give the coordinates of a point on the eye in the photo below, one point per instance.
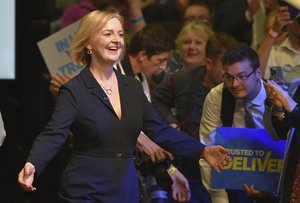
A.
x: 107, y: 34
x: 186, y: 42
x: 121, y: 34
x: 227, y: 77
x: 241, y: 77
x: 199, y: 42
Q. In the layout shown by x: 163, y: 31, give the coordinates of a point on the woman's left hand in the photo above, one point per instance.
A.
x: 216, y: 156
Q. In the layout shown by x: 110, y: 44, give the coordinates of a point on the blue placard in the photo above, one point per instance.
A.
x: 256, y: 159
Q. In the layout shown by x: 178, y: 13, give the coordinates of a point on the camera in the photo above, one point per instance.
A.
x: 277, y: 75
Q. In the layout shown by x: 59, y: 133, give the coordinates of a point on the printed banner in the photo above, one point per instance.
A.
x: 55, y: 50
x: 256, y: 159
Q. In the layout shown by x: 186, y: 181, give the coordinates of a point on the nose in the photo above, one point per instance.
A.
x: 116, y: 38
x: 235, y: 82
x: 163, y: 66
x: 192, y: 45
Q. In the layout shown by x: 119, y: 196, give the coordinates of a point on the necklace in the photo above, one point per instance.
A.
x: 109, y: 89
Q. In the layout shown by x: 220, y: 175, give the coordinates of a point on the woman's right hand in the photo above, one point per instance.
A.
x: 26, y: 177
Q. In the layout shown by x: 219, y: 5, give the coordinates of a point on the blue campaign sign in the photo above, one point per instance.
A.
x: 256, y: 159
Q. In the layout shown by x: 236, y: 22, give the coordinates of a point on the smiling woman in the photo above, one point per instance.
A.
x: 105, y: 111
x: 191, y: 43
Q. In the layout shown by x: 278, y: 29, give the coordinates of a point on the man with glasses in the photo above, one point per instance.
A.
x: 241, y: 93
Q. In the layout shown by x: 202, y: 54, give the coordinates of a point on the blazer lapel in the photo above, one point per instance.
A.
x: 96, y: 90
x: 123, y: 88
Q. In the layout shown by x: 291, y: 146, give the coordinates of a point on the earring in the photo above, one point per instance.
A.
x: 89, y: 51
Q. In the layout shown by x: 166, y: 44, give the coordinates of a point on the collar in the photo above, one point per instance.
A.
x: 261, y: 97
x: 286, y: 45
x: 91, y: 82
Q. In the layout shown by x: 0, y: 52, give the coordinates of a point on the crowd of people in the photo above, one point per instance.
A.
x: 144, y: 109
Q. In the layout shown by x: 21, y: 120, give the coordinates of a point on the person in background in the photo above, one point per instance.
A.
x: 230, y: 17
x: 285, y: 119
x: 191, y: 43
x: 226, y: 105
x: 185, y: 94
x: 104, y: 137
x: 76, y: 11
x: 190, y: 49
x: 200, y: 11
x: 285, y: 53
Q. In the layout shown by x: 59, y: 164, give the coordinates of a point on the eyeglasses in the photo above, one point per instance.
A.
x: 241, y: 78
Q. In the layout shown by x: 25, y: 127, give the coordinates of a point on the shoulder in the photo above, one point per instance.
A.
x: 190, y: 72
x: 217, y: 91
x: 188, y: 75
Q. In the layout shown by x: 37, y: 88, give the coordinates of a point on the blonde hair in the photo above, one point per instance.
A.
x: 89, y: 26
x: 200, y: 29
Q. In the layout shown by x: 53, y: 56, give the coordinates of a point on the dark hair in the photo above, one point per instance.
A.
x: 205, y: 4
x: 240, y: 52
x: 218, y: 44
x: 153, y: 39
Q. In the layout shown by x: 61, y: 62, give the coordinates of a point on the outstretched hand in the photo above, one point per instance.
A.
x: 155, y: 152
x: 253, y: 193
x: 26, y: 177
x: 216, y: 156
x: 180, y: 187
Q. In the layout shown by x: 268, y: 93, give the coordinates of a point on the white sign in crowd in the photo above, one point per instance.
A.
x: 55, y: 50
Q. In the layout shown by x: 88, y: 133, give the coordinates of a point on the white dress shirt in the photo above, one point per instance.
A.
x: 281, y: 55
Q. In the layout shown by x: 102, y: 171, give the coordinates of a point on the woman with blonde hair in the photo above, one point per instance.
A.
x: 191, y: 43
x: 106, y: 111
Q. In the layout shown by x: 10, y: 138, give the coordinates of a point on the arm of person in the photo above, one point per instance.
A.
x: 163, y: 101
x: 136, y: 15
x: 177, y: 143
x: 284, y: 108
x: 155, y: 152
x: 180, y: 186
x: 182, y: 145
x: 282, y: 19
x: 48, y: 142
x: 253, y: 6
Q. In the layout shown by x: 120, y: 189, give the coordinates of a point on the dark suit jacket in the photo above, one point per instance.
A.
x: 186, y: 93
x: 230, y: 18
x: 293, y: 150
x: 102, y: 166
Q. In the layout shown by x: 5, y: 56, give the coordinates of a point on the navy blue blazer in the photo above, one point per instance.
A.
x: 102, y: 168
x: 292, y: 150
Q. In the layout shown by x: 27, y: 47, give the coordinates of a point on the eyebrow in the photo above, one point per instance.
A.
x: 111, y: 30
x: 239, y: 73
